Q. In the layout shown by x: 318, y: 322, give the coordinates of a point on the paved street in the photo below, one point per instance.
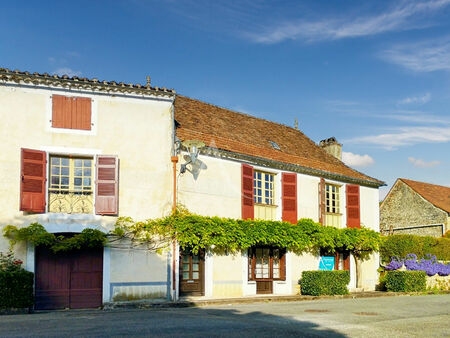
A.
x: 405, y: 316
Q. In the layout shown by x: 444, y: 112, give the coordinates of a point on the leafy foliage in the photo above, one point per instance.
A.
x: 196, y: 232
x: 16, y: 284
x: 9, y: 263
x: 317, y: 283
x: 405, y: 281
x: 402, y: 245
x: 36, y: 234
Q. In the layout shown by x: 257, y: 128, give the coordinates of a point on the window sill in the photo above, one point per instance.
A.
x: 266, y: 205
x: 333, y: 214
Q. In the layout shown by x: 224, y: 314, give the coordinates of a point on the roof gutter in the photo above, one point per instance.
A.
x: 219, y: 153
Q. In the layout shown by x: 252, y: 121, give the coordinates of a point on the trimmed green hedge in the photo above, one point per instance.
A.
x: 317, y: 283
x: 406, y: 281
x: 401, y: 245
x: 16, y: 289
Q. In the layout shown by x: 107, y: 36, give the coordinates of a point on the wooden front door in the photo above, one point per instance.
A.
x: 265, y: 265
x: 68, y: 279
x: 192, y: 274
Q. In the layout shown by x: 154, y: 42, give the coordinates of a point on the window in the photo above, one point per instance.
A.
x: 70, y: 188
x: 71, y: 112
x: 332, y: 198
x: 263, y: 188
x: 266, y: 263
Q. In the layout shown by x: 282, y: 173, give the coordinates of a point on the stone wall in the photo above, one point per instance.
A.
x: 404, y: 208
x: 435, y: 230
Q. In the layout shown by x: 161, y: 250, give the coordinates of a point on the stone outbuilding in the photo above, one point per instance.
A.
x: 417, y: 208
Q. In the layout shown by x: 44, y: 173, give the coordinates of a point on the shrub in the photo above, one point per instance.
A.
x: 402, y: 245
x: 317, y: 283
x: 406, y: 281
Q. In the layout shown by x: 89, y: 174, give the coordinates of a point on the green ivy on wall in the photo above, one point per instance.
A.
x: 196, y: 232
x: 36, y: 234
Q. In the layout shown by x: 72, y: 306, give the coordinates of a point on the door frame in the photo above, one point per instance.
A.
x: 202, y: 274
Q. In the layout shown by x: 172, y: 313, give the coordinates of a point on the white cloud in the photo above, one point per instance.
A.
x: 422, y: 164
x: 405, y: 136
x: 396, y: 18
x: 426, y: 56
x: 416, y: 99
x: 355, y: 160
x: 67, y: 71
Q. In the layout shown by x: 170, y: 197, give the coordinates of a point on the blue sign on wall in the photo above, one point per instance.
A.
x: 326, y: 263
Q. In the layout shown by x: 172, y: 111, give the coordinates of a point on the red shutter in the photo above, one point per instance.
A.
x: 336, y: 260
x: 248, y: 210
x: 346, y: 257
x: 81, y: 113
x: 353, y: 214
x: 107, y: 185
x: 71, y: 112
x: 61, y: 111
x: 322, y: 201
x: 289, y: 197
x: 32, y: 180
x: 283, y: 264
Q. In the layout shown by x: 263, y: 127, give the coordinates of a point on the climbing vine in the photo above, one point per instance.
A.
x: 36, y: 234
x: 196, y: 232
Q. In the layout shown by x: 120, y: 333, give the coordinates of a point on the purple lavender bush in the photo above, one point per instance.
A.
x: 429, y: 264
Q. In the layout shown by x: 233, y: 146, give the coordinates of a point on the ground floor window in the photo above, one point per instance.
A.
x: 266, y: 263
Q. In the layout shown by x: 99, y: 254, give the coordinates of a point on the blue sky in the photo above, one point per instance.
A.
x: 374, y: 74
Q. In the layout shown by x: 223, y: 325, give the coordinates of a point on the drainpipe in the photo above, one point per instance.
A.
x: 174, y: 160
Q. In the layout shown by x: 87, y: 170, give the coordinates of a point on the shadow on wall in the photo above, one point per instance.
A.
x: 172, y: 322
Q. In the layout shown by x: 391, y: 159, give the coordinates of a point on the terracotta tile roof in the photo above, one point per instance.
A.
x: 438, y: 195
x: 80, y: 82
x: 244, y: 134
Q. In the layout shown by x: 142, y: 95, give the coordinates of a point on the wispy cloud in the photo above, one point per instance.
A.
x: 397, y: 18
x: 67, y: 71
x: 405, y: 136
x: 421, y: 163
x: 421, y: 99
x: 425, y: 56
x: 356, y: 160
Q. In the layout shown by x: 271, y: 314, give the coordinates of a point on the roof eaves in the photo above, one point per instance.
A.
x: 220, y: 153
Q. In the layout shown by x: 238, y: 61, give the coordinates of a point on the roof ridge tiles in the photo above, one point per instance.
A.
x: 94, y: 82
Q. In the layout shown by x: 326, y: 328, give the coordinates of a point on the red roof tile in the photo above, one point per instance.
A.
x: 438, y: 195
x: 244, y: 134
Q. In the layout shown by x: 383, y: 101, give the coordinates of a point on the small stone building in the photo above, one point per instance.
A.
x: 416, y: 208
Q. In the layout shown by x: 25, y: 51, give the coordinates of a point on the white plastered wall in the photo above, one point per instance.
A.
x: 122, y: 126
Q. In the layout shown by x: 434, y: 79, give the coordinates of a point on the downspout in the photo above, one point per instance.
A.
x: 174, y: 160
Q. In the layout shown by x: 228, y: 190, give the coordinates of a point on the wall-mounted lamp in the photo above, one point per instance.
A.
x: 193, y: 147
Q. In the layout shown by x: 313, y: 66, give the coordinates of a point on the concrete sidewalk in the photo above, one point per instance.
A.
x: 201, y: 301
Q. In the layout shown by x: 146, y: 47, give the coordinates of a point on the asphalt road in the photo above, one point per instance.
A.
x: 404, y: 316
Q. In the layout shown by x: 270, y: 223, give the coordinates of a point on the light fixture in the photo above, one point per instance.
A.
x: 193, y: 147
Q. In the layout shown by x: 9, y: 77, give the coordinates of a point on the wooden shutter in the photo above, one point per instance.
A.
x: 289, y: 197
x: 81, y: 113
x: 32, y: 180
x: 336, y: 260
x: 353, y: 212
x: 283, y: 264
x: 346, y: 258
x: 71, y: 112
x: 322, y: 201
x: 61, y: 111
x: 248, y: 209
x: 107, y: 185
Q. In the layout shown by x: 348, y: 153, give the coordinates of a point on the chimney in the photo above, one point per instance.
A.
x: 332, y: 147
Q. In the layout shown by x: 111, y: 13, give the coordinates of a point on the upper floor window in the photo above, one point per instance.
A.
x: 263, y: 187
x: 70, y: 188
x: 332, y: 199
x: 71, y: 112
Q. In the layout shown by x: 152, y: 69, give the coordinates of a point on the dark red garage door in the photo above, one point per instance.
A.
x: 68, y: 279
